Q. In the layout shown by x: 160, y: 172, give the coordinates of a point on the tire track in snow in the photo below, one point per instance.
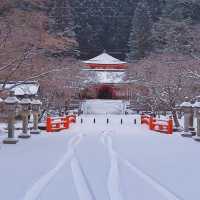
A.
x: 80, y: 180
x: 113, y: 182
x: 163, y: 190
x: 34, y: 192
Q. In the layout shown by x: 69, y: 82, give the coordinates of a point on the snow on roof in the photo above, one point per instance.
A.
x: 186, y: 104
x: 105, y: 59
x: 30, y: 88
x: 196, y: 105
x: 106, y: 77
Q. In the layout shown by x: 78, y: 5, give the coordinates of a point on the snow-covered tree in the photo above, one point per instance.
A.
x: 140, y: 35
x: 61, y: 18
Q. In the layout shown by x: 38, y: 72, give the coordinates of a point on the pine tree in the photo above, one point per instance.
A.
x: 140, y: 36
x: 61, y: 18
x: 181, y: 10
x: 174, y: 31
x: 105, y: 24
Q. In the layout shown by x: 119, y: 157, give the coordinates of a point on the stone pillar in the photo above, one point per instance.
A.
x: 186, y: 107
x: 11, y: 126
x: 36, y: 111
x: 196, y: 107
x: 197, y: 137
x: 191, y: 121
x: 186, y: 121
x: 25, y: 113
x: 25, y: 133
x: 11, y: 104
x: 35, y: 121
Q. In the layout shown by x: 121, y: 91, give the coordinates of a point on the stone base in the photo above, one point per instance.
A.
x: 193, y: 133
x: 10, y: 141
x: 196, y: 138
x: 24, y: 136
x: 187, y: 134
x: 192, y: 129
x: 177, y: 129
x: 37, y: 131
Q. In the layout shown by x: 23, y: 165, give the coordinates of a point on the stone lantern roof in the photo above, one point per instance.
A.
x: 11, y: 99
x: 25, y: 101
x: 186, y: 104
x: 36, y: 102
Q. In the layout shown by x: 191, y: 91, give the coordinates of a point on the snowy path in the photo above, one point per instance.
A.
x: 101, y: 162
x: 34, y: 192
x: 114, y: 179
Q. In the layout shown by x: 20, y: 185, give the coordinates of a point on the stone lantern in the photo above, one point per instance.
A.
x: 36, y: 104
x: 25, y: 103
x: 191, y: 121
x: 187, y: 108
x: 196, y: 107
x: 11, y: 104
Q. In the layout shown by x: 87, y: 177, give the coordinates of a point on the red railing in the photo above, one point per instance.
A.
x: 146, y: 119
x: 164, y: 126
x: 72, y: 118
x: 54, y: 124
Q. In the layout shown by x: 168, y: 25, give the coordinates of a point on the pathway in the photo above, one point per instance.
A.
x: 98, y: 161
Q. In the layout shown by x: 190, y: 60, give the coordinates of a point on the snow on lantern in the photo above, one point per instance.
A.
x: 11, y: 103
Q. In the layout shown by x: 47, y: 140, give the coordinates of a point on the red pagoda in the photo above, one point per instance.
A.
x: 106, y: 77
x: 105, y: 62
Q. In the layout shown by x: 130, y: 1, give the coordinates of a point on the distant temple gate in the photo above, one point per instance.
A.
x: 107, y: 78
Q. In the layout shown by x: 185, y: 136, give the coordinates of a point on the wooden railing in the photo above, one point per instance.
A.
x: 164, y: 126
x: 55, y: 124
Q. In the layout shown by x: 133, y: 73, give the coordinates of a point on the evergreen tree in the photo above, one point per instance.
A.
x: 175, y: 31
x: 140, y: 36
x: 181, y: 10
x: 109, y: 23
x: 61, y: 18
x: 105, y: 24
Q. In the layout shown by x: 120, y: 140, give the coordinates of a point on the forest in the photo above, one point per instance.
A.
x: 159, y: 38
x: 135, y: 28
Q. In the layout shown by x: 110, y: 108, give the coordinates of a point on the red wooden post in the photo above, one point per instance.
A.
x: 48, y: 124
x: 151, y: 125
x: 141, y: 119
x: 66, y: 122
x: 170, y: 126
x: 72, y: 119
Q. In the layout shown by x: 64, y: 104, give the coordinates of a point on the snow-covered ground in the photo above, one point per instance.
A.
x: 97, y: 106
x: 101, y: 162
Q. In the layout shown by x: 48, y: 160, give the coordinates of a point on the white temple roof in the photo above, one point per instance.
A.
x: 105, y: 59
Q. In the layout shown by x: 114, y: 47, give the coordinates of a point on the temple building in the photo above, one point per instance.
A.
x: 106, y: 77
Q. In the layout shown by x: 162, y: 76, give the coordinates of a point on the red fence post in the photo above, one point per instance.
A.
x: 66, y: 122
x: 141, y: 117
x: 48, y: 124
x: 151, y: 125
x: 170, y: 126
x: 72, y: 119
